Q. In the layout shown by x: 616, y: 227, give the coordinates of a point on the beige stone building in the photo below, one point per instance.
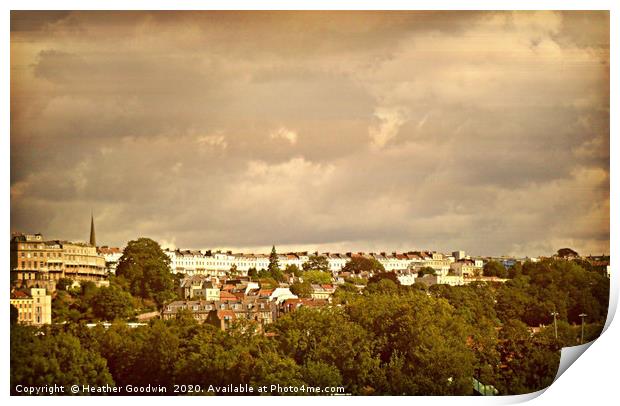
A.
x: 34, y: 308
x: 33, y: 260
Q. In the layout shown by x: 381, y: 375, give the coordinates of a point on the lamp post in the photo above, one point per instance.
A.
x: 555, y: 323
x: 583, y: 316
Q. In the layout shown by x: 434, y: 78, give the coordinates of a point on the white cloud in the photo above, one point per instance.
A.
x: 390, y: 121
x: 286, y: 134
x: 217, y: 141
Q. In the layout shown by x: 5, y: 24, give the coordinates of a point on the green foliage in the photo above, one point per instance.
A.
x: 426, y: 270
x: 275, y: 274
x: 421, y: 342
x: 233, y: 271
x: 274, y: 266
x: 316, y: 263
x: 391, y: 276
x: 356, y: 280
x: 308, y: 335
x: 273, y: 271
x: 362, y: 264
x: 382, y: 286
x: 301, y: 289
x: 553, y: 285
x: 110, y: 303
x: 293, y: 269
x: 319, y: 277
x: 64, y: 283
x: 42, y: 358
x: 529, y: 362
x: 494, y: 268
x: 253, y: 273
x: 321, y: 374
x: 146, y: 269
x: 268, y: 282
x: 345, y: 293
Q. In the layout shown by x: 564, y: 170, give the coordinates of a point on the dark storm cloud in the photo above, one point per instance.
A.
x: 323, y: 130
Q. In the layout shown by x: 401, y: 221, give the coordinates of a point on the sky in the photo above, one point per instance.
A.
x: 332, y: 131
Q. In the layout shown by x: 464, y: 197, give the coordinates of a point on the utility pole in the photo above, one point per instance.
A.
x: 555, y: 323
x: 583, y: 316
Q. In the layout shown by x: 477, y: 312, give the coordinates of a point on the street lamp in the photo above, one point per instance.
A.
x: 583, y: 316
x: 555, y: 323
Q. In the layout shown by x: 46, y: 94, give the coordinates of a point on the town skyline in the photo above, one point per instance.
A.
x: 486, y: 132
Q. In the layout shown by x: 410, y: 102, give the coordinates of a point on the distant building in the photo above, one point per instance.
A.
x: 458, y: 255
x: 34, y: 308
x: 223, y: 314
x: 291, y: 305
x: 199, y: 288
x: 467, y: 267
x: 452, y: 280
x: 33, y: 260
x: 322, y: 291
x: 111, y: 255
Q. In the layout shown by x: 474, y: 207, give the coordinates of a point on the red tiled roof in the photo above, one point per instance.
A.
x: 224, y: 295
x: 223, y: 313
x: 18, y: 294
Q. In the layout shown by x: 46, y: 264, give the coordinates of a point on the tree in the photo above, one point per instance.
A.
x: 233, y: 270
x: 59, y: 358
x: 302, y: 289
x: 421, y: 342
x: 64, y: 284
x: 321, y: 374
x: 319, y: 277
x: 384, y: 275
x: 426, y: 270
x: 494, y: 268
x: 253, y: 273
x: 360, y: 264
x: 345, y: 293
x: 274, y: 266
x: 111, y: 303
x: 383, y: 286
x: 567, y: 253
x: 293, y: 269
x: 530, y: 363
x: 310, y: 335
x: 147, y: 270
x: 316, y: 263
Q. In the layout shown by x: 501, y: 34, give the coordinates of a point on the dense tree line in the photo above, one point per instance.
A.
x: 386, y: 339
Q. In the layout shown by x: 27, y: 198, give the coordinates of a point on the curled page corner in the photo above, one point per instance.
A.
x: 569, y: 355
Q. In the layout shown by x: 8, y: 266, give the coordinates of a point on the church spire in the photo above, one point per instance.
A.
x: 92, y: 230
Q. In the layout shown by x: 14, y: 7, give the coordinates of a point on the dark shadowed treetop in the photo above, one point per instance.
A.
x: 316, y: 263
x: 362, y: 264
x: 567, y: 252
x: 274, y: 266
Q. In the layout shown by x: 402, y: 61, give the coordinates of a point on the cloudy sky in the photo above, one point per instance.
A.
x: 330, y: 131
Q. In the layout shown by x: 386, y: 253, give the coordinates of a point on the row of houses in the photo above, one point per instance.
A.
x: 223, y: 301
x: 219, y: 263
